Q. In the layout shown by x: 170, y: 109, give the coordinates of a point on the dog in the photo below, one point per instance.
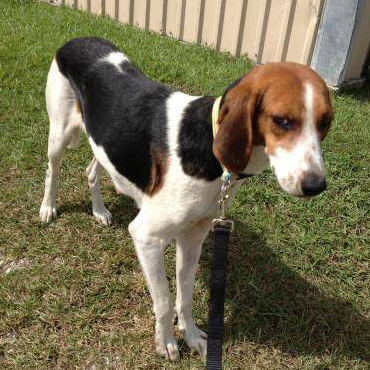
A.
x: 157, y: 146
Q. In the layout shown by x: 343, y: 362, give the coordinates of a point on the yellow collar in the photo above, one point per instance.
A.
x: 226, y: 175
x: 215, y: 112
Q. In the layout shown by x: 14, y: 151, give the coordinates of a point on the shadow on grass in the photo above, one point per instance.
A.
x: 361, y: 94
x: 272, y: 305
x: 123, y: 208
x: 70, y: 207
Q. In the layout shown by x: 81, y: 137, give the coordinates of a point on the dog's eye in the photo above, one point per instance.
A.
x: 283, y: 122
x: 324, y: 123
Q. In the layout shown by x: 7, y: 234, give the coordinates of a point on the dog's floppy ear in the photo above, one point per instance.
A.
x: 232, y: 145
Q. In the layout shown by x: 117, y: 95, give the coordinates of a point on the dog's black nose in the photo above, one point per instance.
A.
x: 313, y: 184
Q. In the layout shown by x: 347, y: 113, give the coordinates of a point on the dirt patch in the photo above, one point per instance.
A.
x: 8, y: 267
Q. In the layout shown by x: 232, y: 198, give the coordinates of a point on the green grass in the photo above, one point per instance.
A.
x: 74, y: 296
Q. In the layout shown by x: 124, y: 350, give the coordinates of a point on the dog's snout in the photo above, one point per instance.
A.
x: 313, y: 184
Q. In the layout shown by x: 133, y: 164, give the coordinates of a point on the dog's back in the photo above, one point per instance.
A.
x: 122, y: 109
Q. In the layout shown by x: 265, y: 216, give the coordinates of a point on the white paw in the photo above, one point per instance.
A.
x: 166, y: 346
x: 102, y: 215
x: 47, y: 213
x: 195, y: 338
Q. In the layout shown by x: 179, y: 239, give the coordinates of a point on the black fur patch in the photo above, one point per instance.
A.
x: 76, y: 57
x: 196, y: 139
x: 125, y: 113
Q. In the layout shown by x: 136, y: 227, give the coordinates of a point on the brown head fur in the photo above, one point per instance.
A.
x: 247, y: 115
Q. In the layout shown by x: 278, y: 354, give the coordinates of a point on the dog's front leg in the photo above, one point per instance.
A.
x: 150, y: 251
x: 188, y: 249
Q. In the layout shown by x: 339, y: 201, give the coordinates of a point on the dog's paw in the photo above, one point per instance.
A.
x: 48, y: 213
x: 167, y: 347
x: 102, y: 215
x: 196, y: 339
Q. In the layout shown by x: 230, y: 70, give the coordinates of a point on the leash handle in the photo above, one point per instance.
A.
x: 217, y: 298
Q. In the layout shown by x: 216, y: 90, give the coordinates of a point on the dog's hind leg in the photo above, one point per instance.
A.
x: 100, y: 212
x: 188, y: 249
x: 65, y: 124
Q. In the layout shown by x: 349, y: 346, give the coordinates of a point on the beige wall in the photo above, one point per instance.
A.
x: 265, y: 30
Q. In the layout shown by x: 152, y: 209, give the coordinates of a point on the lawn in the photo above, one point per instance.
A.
x: 72, y: 295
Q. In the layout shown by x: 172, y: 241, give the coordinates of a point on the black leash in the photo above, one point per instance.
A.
x: 217, y: 297
x: 222, y: 228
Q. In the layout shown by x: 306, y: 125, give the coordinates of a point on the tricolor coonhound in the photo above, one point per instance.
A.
x: 157, y: 146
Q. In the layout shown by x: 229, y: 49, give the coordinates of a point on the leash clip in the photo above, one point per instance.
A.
x: 224, y: 196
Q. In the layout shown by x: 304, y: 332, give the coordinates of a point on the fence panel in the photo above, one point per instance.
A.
x: 212, y: 11
x: 70, y: 2
x: 110, y: 9
x: 173, y: 20
x: 139, y: 11
x: 265, y: 30
x: 229, y: 26
x: 83, y: 4
x: 96, y: 7
x: 276, y: 31
x: 304, y: 29
x: 191, y: 22
x: 156, y: 16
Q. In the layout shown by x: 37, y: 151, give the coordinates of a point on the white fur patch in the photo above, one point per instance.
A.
x: 116, y: 58
x: 172, y: 208
x: 308, y: 103
x: 290, y: 166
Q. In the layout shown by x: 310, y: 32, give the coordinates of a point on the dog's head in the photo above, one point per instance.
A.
x: 285, y: 107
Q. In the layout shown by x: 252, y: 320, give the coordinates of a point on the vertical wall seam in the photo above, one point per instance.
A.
x: 220, y: 24
x: 164, y: 17
x: 116, y: 10
x: 182, y: 19
x: 263, y: 31
x: 103, y: 8
x: 89, y: 6
x: 315, y: 33
x: 131, y: 12
x: 201, y: 21
x: 241, y: 28
x: 288, y: 33
x: 75, y: 4
x: 147, y: 14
